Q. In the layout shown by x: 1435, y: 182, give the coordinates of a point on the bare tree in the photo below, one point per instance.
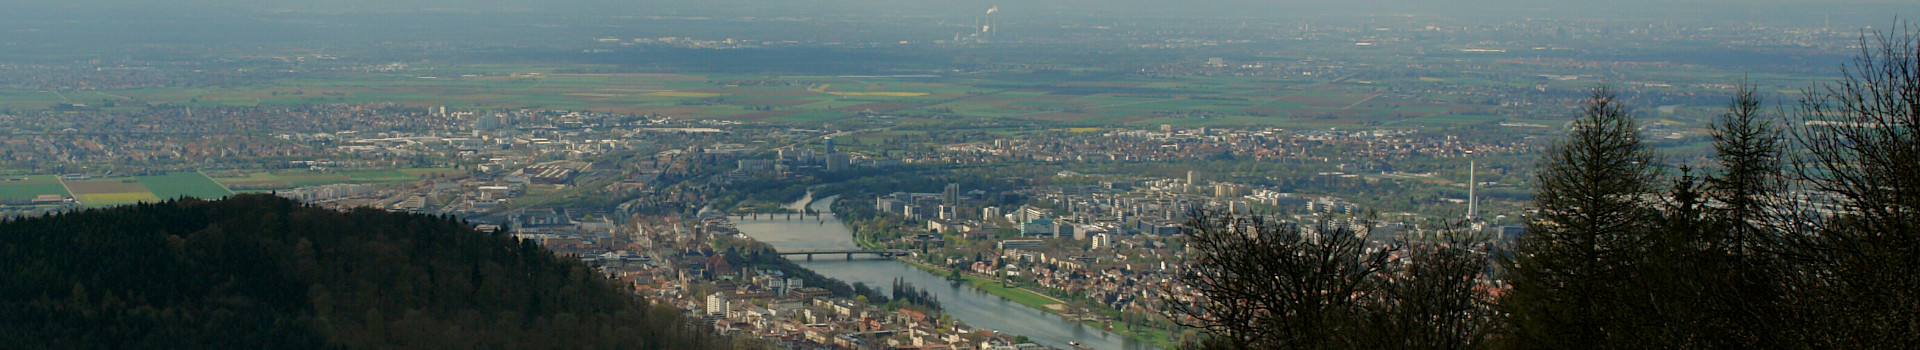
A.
x: 1434, y: 300
x: 1274, y: 285
x: 1264, y: 284
x: 1858, y: 285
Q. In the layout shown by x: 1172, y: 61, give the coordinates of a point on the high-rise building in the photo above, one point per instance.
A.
x: 948, y: 212
x: 830, y: 145
x: 487, y: 122
x: 717, y: 304
x: 952, y: 194
x: 838, y: 161
x: 1225, y: 190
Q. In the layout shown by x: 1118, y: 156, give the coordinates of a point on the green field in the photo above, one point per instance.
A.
x: 1158, y: 337
x: 1451, y: 120
x: 423, y: 173
x: 107, y: 192
x: 15, y: 187
x: 1017, y: 295
x: 11, y: 190
x: 1095, y: 98
x: 270, y: 180
x: 176, y: 185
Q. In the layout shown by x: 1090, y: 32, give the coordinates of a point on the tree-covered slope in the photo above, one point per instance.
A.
x: 257, y: 271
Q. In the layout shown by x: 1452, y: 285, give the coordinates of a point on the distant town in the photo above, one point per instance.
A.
x: 987, y: 152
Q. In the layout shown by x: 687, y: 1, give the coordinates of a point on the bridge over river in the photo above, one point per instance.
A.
x: 962, y: 301
x: 878, y: 253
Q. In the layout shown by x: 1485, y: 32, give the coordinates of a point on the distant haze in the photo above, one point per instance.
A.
x: 108, y: 26
x: 1677, y: 9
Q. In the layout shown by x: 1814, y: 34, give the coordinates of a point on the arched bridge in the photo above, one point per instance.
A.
x: 879, y: 253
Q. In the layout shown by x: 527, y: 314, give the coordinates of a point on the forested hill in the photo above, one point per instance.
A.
x: 257, y: 271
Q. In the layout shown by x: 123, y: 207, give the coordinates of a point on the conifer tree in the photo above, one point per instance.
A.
x: 1570, y: 270
x: 1748, y: 148
x: 1731, y: 267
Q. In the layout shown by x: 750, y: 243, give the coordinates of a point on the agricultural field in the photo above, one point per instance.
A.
x: 106, y: 192
x: 176, y: 185
x: 28, y: 187
x: 109, y: 192
x: 254, y: 181
x: 1088, y: 98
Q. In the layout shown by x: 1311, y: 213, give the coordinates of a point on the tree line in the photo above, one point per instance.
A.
x: 257, y: 271
x: 1801, y: 231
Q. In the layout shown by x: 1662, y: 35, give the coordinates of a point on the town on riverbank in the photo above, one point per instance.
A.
x: 1046, y: 218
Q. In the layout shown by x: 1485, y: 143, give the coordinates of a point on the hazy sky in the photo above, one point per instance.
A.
x: 1143, y: 7
x: 1842, y: 13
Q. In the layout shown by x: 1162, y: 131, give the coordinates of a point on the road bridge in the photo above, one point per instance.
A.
x: 878, y: 253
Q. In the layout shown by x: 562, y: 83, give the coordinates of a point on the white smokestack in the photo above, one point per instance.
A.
x: 1472, y: 201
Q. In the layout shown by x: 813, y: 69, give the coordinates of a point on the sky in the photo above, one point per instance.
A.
x: 1142, y: 7
x: 1841, y: 13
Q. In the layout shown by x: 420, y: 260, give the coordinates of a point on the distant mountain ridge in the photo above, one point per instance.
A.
x: 258, y: 271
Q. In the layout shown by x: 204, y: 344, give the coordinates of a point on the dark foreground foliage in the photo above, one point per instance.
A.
x: 256, y: 271
x: 1801, y: 232
x: 1277, y: 285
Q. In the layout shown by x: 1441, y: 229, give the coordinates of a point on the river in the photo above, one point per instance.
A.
x: 977, y: 308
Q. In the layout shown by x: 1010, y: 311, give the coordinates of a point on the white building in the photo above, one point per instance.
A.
x: 1102, y: 241
x: 717, y: 304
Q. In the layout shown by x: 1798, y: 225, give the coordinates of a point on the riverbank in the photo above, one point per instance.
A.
x: 1039, y: 301
x: 1022, y: 296
x: 1025, y: 310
